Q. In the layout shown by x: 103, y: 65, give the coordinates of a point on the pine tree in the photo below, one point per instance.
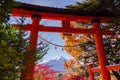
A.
x: 6, y: 7
x: 14, y: 45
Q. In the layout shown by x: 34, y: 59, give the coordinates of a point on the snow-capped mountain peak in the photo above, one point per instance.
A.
x: 56, y: 63
x: 59, y: 58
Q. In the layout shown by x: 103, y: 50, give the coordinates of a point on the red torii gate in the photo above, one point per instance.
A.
x: 39, y: 12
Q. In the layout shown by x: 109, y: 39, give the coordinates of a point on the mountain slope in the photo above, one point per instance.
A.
x: 56, y: 63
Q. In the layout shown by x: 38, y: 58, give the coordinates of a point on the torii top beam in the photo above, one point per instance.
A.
x: 61, y: 14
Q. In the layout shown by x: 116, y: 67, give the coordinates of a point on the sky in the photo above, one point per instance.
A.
x: 52, y: 3
x: 53, y: 37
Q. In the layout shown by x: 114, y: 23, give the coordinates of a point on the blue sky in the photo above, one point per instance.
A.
x: 54, y: 37
x: 52, y: 3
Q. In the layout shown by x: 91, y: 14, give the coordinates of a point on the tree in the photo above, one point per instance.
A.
x: 78, y: 50
x: 14, y: 45
x: 74, y: 68
x: 74, y: 77
x: 6, y: 7
x: 111, y: 42
x: 8, y: 54
x: 13, y: 52
x: 7, y: 41
x: 43, y: 72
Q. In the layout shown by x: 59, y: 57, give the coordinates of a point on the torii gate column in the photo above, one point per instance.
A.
x: 100, y: 49
x: 28, y: 73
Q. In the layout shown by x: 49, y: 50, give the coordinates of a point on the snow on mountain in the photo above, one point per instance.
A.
x: 56, y: 63
x: 59, y: 58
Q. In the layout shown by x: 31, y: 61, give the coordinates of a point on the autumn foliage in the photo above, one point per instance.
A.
x: 74, y: 77
x: 74, y: 41
x: 73, y: 44
x: 43, y: 72
x: 75, y: 72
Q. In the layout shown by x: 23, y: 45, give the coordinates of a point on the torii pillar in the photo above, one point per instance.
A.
x: 28, y: 73
x: 100, y: 49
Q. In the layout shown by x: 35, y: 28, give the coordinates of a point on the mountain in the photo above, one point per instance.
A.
x: 56, y: 63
